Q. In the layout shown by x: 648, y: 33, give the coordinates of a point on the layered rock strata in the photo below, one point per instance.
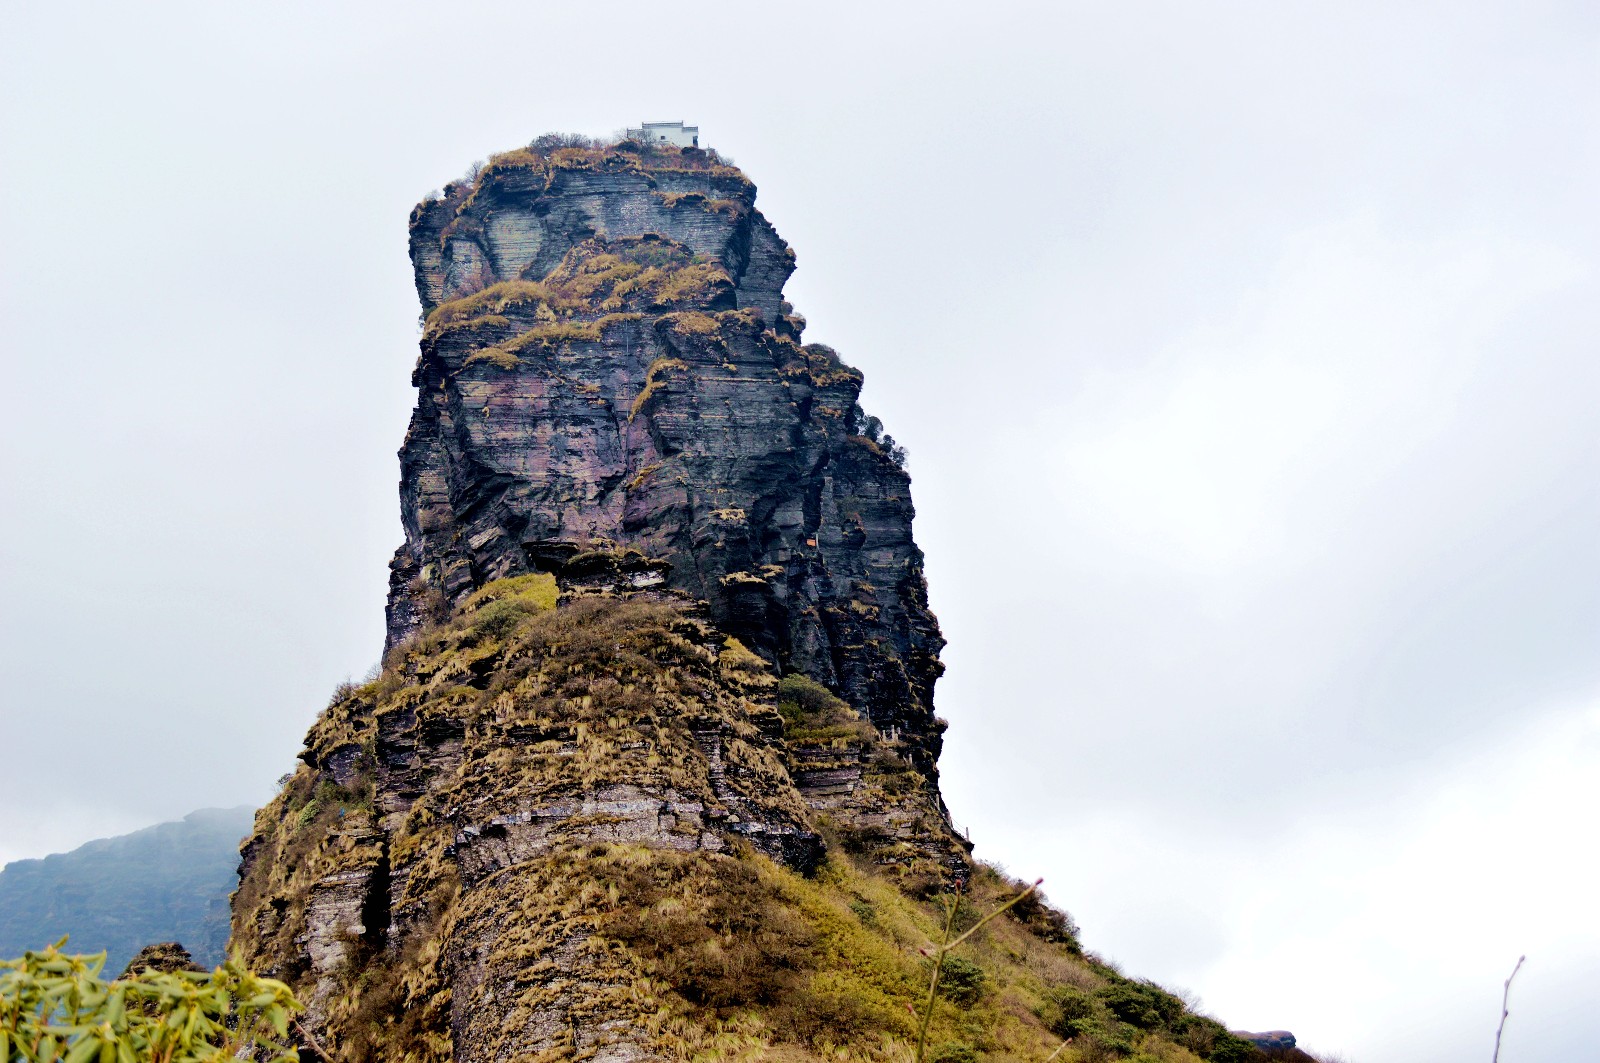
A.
x: 608, y: 360
x: 438, y: 808
x: 649, y: 770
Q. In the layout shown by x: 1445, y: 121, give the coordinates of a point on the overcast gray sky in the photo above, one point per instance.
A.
x: 1245, y: 352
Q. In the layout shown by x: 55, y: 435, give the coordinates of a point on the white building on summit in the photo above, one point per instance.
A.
x: 675, y: 133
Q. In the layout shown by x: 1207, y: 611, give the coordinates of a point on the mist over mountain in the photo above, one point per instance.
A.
x: 169, y: 882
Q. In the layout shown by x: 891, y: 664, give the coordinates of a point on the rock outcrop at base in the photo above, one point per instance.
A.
x: 167, y: 957
x: 1270, y: 1039
x: 442, y: 809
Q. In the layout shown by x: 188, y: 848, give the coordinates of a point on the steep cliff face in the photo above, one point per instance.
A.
x: 649, y: 772
x: 609, y: 362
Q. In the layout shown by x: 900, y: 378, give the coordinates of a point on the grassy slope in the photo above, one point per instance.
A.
x: 722, y: 956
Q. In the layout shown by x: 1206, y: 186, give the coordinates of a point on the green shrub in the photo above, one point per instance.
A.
x: 1226, y: 1048
x: 961, y: 981
x: 1142, y: 1004
x: 498, y: 619
x: 865, y: 912
x: 953, y: 1052
x: 1051, y: 924
x: 812, y: 715
x: 537, y: 589
x: 56, y: 1007
x: 801, y: 696
x: 1067, y: 1011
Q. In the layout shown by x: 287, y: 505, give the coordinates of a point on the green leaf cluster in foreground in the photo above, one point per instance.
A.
x: 56, y: 1007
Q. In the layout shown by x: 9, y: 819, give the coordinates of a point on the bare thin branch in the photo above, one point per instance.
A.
x: 933, y: 982
x: 311, y: 1042
x: 946, y: 945
x: 981, y: 923
x: 1505, y: 1007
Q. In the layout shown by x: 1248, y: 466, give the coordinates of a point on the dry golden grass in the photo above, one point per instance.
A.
x: 706, y: 955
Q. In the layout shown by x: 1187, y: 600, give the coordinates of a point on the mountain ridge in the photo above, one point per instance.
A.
x: 166, y: 882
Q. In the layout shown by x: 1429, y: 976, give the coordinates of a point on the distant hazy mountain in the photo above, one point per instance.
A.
x: 169, y: 882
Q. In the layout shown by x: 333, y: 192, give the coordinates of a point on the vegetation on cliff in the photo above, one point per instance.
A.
x: 650, y: 769
x: 607, y: 353
x: 711, y: 934
x: 595, y: 280
x: 547, y: 157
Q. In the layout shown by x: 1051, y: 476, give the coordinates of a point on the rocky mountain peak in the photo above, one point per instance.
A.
x: 648, y: 772
x: 608, y: 362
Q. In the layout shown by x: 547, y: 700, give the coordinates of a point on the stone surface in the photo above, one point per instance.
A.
x: 1268, y: 1039
x: 168, y: 957
x: 430, y: 832
x: 614, y: 408
x: 713, y: 440
x: 649, y: 772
